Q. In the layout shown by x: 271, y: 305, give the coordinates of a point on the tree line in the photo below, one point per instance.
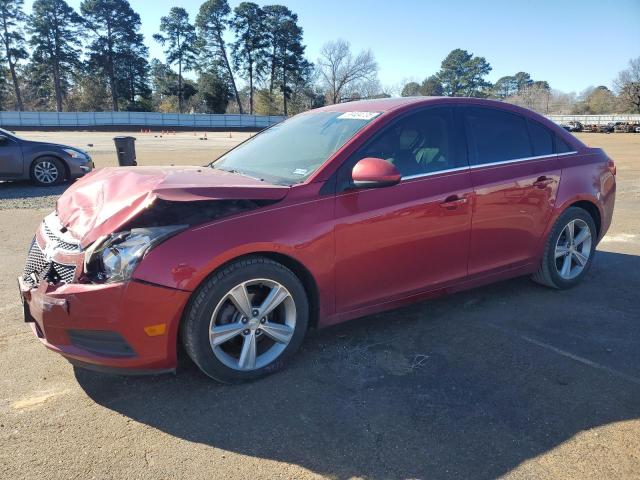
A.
x: 464, y: 74
x: 96, y: 59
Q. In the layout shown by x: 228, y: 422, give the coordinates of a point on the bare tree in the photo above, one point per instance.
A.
x: 562, y: 103
x: 628, y: 85
x: 535, y: 96
x: 340, y: 70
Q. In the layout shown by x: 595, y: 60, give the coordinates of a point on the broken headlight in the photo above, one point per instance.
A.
x: 114, y: 258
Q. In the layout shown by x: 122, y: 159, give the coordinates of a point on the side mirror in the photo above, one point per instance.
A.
x: 3, y: 139
x: 374, y: 173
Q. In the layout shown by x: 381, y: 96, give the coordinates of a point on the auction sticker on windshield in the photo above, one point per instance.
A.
x: 358, y: 115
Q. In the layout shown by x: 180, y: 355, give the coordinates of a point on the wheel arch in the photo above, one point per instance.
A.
x: 296, y: 266
x: 587, y: 203
x: 592, y: 209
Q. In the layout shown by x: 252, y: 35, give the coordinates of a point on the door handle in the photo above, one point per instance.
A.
x: 453, y: 201
x: 543, y: 181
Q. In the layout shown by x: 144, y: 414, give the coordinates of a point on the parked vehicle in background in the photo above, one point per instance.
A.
x: 606, y: 128
x: 333, y: 214
x: 45, y: 164
x: 572, y: 126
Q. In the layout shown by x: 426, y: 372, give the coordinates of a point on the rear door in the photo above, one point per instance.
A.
x: 11, y: 163
x: 515, y: 175
x: 396, y: 241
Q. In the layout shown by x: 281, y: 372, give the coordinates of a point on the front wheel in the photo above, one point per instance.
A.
x: 246, y: 321
x: 569, y: 250
x: 47, y: 172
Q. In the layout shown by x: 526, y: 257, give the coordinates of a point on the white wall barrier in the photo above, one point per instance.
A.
x: 134, y: 119
x: 595, y: 119
x: 203, y: 121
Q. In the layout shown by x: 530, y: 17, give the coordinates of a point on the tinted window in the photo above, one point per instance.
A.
x: 496, y: 136
x: 541, y: 138
x: 561, y: 146
x: 420, y: 143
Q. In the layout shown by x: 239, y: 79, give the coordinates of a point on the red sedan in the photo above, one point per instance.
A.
x: 333, y: 214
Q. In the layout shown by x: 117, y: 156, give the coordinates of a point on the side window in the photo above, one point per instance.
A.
x: 418, y: 144
x: 561, y: 146
x: 541, y: 138
x: 496, y: 136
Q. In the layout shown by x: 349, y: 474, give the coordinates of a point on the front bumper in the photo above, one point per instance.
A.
x: 107, y: 326
x: 78, y: 169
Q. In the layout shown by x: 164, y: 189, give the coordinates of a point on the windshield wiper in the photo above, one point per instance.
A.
x: 237, y: 172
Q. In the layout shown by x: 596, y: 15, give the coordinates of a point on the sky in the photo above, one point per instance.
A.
x: 572, y: 44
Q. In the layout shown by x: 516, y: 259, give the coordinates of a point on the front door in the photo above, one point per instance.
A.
x: 397, y: 241
x: 11, y: 164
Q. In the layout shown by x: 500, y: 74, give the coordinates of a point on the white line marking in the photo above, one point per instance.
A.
x: 582, y: 360
x: 620, y: 237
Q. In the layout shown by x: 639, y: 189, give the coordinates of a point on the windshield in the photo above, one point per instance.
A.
x: 291, y: 151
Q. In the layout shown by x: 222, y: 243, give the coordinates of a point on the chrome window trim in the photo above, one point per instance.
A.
x: 523, y: 159
x: 429, y: 174
x: 472, y: 167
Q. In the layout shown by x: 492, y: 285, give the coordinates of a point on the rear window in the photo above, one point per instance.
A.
x: 496, y: 136
x: 541, y: 138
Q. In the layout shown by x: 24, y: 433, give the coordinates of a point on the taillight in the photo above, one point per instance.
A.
x: 612, y: 167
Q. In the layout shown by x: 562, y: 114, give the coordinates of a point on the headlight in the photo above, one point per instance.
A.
x: 114, y: 258
x: 76, y: 154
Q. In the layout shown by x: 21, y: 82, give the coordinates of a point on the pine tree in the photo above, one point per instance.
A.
x: 55, y: 36
x: 180, y: 40
x: 294, y: 68
x: 116, y: 45
x: 249, y: 50
x: 12, y: 17
x: 211, y: 22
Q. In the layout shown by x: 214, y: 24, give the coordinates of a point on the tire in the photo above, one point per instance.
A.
x: 552, y: 272
x: 213, y: 308
x: 47, y: 172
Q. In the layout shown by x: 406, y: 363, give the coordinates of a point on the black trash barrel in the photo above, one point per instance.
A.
x: 126, y: 148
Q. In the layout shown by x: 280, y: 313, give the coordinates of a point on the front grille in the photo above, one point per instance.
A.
x: 52, y: 237
x: 37, y: 268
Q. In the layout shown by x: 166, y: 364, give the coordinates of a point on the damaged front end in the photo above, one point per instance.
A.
x: 105, y: 223
x: 75, y: 285
x: 56, y: 257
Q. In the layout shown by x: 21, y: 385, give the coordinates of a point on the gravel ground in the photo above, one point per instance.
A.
x: 511, y: 380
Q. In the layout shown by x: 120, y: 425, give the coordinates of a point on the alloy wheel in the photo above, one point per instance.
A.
x: 252, y: 324
x: 573, y: 249
x: 46, y: 172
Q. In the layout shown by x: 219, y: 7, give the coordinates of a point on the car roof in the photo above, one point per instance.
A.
x: 378, y: 104
x: 385, y: 105
x: 388, y: 105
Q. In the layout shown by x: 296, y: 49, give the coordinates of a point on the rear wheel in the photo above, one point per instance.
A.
x: 246, y: 321
x: 569, y: 250
x: 47, y: 171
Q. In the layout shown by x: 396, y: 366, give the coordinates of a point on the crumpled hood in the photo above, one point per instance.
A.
x: 108, y: 198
